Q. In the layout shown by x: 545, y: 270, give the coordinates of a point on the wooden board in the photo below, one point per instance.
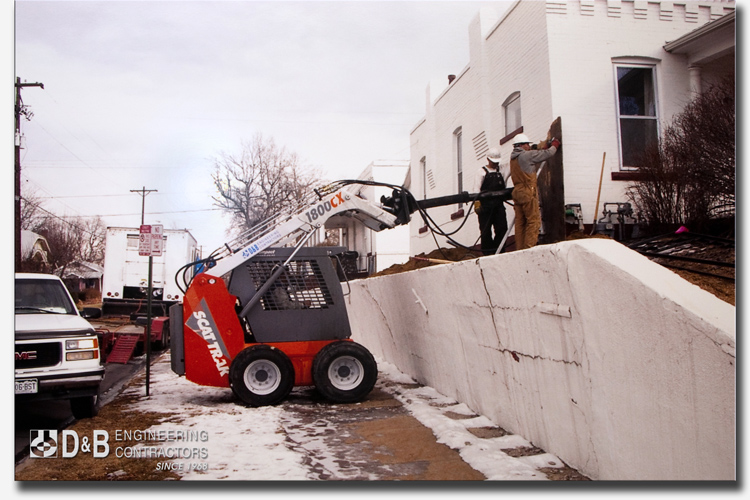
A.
x: 552, y: 192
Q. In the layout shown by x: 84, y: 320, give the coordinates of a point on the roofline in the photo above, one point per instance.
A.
x: 697, y: 33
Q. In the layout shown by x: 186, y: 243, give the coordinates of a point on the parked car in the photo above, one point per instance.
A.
x: 57, y: 349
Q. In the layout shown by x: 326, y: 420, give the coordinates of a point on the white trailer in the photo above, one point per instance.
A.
x: 125, y: 280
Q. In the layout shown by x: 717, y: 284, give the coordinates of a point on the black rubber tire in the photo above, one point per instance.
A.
x: 344, y: 372
x: 163, y: 343
x: 261, y: 375
x: 84, y: 407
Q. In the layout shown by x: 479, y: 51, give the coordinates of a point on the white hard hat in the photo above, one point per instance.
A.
x: 521, y: 139
x: 493, y: 155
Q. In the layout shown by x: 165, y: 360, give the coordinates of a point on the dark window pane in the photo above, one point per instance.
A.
x: 637, y: 135
x: 459, y: 162
x: 635, y: 88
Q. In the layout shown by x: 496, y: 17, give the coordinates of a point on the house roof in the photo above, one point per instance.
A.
x: 711, y: 41
x: 33, y: 246
x: 82, y: 270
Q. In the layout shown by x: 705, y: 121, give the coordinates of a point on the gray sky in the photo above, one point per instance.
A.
x: 145, y: 94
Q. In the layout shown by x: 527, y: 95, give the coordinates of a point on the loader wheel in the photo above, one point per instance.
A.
x: 261, y: 375
x: 344, y: 372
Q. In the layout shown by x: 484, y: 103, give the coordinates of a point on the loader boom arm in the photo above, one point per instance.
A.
x: 307, y: 220
x: 333, y: 199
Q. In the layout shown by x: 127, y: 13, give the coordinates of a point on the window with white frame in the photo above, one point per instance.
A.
x: 512, y: 108
x: 458, y: 136
x: 637, y: 116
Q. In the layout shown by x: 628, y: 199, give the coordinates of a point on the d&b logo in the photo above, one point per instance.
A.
x: 44, y: 443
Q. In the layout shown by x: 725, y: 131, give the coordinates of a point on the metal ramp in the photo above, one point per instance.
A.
x: 123, y: 349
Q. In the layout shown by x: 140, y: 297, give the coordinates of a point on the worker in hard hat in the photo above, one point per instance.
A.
x: 525, y: 162
x: 491, y: 213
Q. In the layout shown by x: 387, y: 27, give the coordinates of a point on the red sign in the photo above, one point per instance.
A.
x: 151, y: 241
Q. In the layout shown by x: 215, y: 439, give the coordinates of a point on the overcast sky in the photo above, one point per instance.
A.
x: 145, y: 94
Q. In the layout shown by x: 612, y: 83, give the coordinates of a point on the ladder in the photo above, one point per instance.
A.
x: 123, y: 349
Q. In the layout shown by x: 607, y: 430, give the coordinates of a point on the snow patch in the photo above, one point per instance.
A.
x: 274, y: 444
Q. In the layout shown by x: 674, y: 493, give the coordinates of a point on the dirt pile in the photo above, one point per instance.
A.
x: 716, y: 280
x: 436, y: 257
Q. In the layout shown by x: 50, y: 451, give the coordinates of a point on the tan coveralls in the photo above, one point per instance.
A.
x: 523, y: 171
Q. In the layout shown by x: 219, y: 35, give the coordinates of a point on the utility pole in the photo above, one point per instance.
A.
x: 147, y: 337
x: 20, y: 110
x: 143, y: 192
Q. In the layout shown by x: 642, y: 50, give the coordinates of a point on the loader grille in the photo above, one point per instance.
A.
x: 301, y: 286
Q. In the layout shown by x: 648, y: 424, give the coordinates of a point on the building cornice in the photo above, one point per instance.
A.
x: 685, y: 42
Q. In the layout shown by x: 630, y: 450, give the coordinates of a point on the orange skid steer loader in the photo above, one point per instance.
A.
x: 267, y: 313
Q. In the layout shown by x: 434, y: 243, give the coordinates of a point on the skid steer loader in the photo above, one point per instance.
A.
x: 267, y: 313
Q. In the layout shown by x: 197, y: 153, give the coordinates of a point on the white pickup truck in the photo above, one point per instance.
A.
x: 57, y: 350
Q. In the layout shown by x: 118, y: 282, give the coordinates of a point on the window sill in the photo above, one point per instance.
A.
x: 511, y: 135
x: 423, y: 229
x: 627, y: 175
x: 457, y: 215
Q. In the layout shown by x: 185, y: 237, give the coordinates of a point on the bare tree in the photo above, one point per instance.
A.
x: 93, y: 232
x: 689, y: 177
x: 64, y: 240
x: 261, y: 181
x: 70, y: 239
x: 702, y: 141
x: 32, y: 213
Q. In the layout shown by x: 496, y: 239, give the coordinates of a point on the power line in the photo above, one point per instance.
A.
x: 61, y: 218
x: 147, y: 213
x: 164, y: 213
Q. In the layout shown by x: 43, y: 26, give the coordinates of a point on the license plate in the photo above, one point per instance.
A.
x: 30, y: 386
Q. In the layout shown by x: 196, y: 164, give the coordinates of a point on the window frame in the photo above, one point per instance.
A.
x: 513, y: 98
x: 632, y: 64
x: 458, y: 159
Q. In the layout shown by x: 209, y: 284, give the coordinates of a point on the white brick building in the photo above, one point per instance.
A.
x: 614, y: 71
x: 375, y: 250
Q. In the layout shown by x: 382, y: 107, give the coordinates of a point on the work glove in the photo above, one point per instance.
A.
x: 477, y: 206
x: 555, y: 143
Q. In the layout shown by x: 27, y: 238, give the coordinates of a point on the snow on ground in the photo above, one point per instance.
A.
x: 484, y: 455
x: 243, y: 443
x: 267, y: 443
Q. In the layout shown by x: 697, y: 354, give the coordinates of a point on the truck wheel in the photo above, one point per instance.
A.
x: 261, y: 375
x: 344, y: 372
x: 84, y: 407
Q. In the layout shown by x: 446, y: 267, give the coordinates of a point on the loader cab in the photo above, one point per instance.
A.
x: 305, y: 303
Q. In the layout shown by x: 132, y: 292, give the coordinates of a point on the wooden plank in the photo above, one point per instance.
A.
x: 552, y: 192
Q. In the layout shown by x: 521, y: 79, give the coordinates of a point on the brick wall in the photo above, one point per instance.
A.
x: 559, y: 56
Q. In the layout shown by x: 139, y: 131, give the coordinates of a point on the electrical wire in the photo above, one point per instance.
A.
x: 432, y: 226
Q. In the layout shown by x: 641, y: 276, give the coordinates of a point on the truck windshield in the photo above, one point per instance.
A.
x: 34, y: 296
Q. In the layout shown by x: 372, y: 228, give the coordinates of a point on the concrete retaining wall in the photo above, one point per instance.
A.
x: 587, y: 349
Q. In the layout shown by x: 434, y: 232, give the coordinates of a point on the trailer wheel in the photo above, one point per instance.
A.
x: 261, y: 375
x: 344, y: 372
x: 163, y: 342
